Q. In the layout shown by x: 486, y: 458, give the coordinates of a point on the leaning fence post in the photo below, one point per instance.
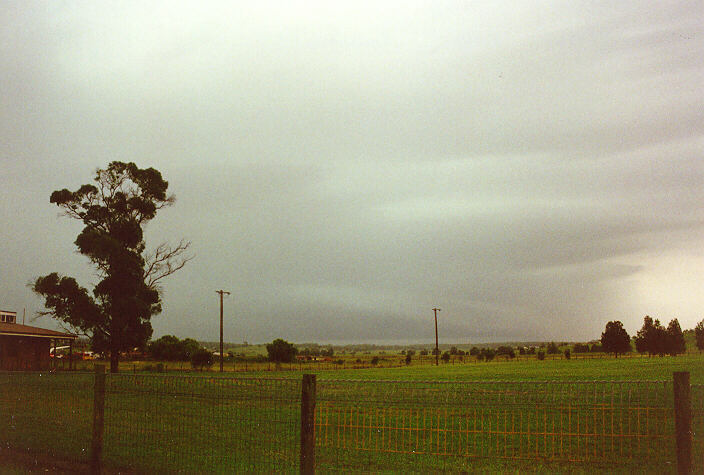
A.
x: 308, y: 424
x: 683, y: 421
x: 98, y: 418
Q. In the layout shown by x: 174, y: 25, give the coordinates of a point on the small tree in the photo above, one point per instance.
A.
x: 553, y: 349
x: 615, y: 339
x: 445, y: 356
x: 488, y: 354
x: 581, y: 348
x: 651, y: 338
x: 408, y: 359
x: 675, y: 343
x: 507, y: 351
x: 699, y: 335
x: 201, y: 358
x: 281, y: 351
x: 541, y: 355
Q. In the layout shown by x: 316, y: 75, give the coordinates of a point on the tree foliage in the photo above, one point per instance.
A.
x: 281, y: 351
x: 699, y: 335
x: 506, y: 351
x: 651, y: 338
x: 674, y: 341
x: 170, y: 348
x: 581, y: 348
x: 201, y: 358
x: 615, y: 339
x: 116, y: 314
x: 553, y: 348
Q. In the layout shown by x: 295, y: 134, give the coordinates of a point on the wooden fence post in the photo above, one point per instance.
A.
x: 308, y: 424
x: 98, y: 419
x: 683, y: 421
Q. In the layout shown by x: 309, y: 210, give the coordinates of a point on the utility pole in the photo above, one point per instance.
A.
x: 221, y: 292
x: 437, y: 350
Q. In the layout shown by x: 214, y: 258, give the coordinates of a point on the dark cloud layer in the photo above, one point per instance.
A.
x: 534, y: 169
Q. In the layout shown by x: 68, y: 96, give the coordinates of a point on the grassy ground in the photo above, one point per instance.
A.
x: 215, y: 424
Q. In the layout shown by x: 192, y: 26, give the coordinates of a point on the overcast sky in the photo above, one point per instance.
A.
x: 534, y: 169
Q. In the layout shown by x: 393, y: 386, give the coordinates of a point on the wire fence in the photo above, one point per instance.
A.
x: 211, y: 424
x: 446, y: 425
x: 47, y: 413
x: 195, y: 424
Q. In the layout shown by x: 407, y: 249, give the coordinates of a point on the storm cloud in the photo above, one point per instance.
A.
x: 535, y: 169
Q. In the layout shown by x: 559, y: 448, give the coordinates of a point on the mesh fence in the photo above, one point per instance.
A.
x: 47, y: 413
x: 232, y: 425
x: 378, y: 425
x: 205, y: 425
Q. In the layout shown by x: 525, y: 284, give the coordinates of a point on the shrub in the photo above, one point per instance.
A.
x: 170, y: 348
x: 568, y: 354
x: 506, y: 350
x: 445, y: 356
x: 375, y: 360
x: 541, y: 355
x: 553, y: 349
x: 408, y: 358
x: 281, y: 351
x: 201, y: 358
x: 581, y: 348
x: 488, y: 354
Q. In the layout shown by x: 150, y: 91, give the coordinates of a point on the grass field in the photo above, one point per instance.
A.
x: 217, y: 423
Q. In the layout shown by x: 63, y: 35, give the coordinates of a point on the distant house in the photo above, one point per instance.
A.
x: 26, y: 348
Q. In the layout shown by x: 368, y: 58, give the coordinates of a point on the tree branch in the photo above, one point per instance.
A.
x: 164, y: 261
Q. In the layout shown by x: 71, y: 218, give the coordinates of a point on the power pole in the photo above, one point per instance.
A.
x: 221, y: 292
x: 437, y: 350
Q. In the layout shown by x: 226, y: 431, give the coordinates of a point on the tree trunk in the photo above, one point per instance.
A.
x: 114, y: 361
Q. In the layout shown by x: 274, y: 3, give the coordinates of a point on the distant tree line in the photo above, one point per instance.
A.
x: 171, y: 348
x: 653, y: 338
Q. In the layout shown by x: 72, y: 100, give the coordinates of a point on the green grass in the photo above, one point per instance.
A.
x: 602, y: 369
x: 207, y: 423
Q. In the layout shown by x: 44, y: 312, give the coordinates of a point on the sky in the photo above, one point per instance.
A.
x: 534, y: 169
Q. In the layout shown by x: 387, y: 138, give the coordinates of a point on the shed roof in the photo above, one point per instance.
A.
x: 15, y: 329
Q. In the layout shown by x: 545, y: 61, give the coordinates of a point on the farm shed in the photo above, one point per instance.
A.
x: 26, y: 348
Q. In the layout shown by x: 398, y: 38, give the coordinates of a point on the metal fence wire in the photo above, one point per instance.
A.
x: 377, y: 425
x: 202, y: 424
x: 47, y: 413
x: 205, y: 424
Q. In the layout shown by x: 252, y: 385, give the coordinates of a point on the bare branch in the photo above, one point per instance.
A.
x: 164, y: 261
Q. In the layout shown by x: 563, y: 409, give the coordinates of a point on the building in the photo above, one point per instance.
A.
x: 25, y: 348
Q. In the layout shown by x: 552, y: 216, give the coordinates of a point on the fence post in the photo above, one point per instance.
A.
x: 683, y: 421
x: 308, y: 425
x: 98, y: 418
